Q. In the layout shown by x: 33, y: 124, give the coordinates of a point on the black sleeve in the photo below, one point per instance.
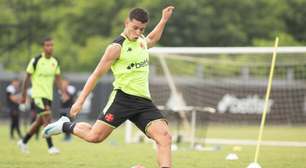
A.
x: 119, y: 40
x: 57, y: 60
x: 36, y: 59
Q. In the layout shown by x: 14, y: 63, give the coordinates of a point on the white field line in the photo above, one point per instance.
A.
x: 252, y: 142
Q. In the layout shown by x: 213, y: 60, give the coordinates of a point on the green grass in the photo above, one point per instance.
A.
x: 113, y: 153
x: 278, y: 133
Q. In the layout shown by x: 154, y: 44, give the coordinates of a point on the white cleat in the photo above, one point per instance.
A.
x: 53, y: 150
x: 55, y: 128
x: 23, y: 147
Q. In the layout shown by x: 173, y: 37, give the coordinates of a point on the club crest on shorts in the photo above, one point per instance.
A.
x: 109, y: 117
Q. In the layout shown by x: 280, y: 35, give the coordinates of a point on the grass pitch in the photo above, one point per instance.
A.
x: 113, y: 153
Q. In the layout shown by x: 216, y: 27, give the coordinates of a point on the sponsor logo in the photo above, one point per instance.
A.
x: 249, y: 105
x: 45, y: 75
x: 141, y: 64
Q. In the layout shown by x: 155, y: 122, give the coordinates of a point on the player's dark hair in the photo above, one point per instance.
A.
x: 139, y: 14
x: 15, y: 79
x: 45, y: 39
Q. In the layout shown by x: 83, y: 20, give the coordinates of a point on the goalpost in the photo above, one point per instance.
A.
x: 230, y: 82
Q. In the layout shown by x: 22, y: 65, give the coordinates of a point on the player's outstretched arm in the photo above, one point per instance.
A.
x: 25, y: 86
x: 111, y: 54
x: 59, y: 84
x: 154, y: 36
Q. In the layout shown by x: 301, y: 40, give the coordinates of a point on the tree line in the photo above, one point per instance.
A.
x: 82, y: 29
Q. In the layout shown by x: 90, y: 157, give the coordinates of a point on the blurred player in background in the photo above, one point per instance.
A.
x: 13, y: 101
x: 42, y: 70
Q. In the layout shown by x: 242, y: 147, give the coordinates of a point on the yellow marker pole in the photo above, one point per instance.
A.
x: 263, y: 119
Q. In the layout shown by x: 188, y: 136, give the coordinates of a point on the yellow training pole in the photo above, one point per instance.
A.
x: 263, y: 119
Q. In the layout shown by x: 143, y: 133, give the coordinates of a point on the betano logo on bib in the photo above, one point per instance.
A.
x: 138, y: 64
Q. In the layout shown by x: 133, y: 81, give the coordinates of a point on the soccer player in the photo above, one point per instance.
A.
x: 128, y: 58
x: 13, y: 101
x: 41, y: 71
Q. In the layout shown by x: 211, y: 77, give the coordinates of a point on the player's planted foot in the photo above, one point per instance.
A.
x: 23, y: 147
x: 55, y: 128
x: 53, y: 150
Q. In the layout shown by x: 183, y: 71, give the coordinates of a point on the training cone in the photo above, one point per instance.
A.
x: 232, y: 156
x: 254, y: 165
x: 237, y: 148
x: 138, y: 166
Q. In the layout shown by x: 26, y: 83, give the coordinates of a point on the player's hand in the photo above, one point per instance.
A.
x: 23, y: 100
x: 65, y: 97
x: 167, y: 12
x: 75, y: 109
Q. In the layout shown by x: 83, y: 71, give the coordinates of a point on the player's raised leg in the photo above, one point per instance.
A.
x: 94, y: 134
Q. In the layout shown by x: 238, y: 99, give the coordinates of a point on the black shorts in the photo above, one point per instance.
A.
x: 122, y: 106
x: 42, y: 106
x: 13, y: 108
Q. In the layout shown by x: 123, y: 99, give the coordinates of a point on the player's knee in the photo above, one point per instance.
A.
x: 168, y: 140
x: 164, y: 139
x: 45, y: 123
x: 94, y: 138
x: 37, y: 124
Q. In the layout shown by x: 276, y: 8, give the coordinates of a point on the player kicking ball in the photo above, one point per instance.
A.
x: 128, y: 58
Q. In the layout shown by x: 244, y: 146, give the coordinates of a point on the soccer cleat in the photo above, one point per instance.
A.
x: 53, y: 150
x: 23, y: 147
x: 55, y: 128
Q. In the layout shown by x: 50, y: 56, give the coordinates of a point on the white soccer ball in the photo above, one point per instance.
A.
x: 23, y: 107
x: 174, y: 147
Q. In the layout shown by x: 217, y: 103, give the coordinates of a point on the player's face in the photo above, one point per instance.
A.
x: 16, y: 83
x: 134, y: 28
x: 48, y: 47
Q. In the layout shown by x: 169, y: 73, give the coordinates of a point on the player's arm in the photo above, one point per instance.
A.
x: 25, y: 87
x: 59, y: 85
x: 14, y: 98
x: 154, y: 36
x: 111, y: 54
